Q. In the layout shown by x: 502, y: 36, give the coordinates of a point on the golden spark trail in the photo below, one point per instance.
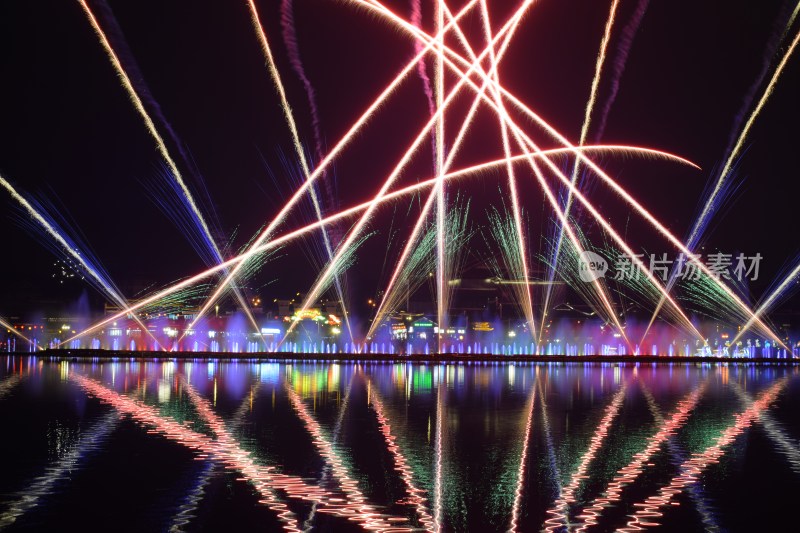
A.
x: 355, y: 232
x: 428, y: 203
x: 736, y: 151
x: 770, y: 299
x: 587, y: 119
x: 110, y: 291
x: 162, y: 147
x: 329, y: 158
x: 288, y: 237
x: 519, y: 105
x: 598, y: 70
x: 137, y: 103
x: 287, y: 111
x: 745, y: 130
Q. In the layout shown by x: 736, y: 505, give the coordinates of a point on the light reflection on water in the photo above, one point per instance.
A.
x: 395, y: 446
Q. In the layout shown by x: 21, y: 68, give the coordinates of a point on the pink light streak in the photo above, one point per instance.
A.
x: 349, y: 486
x: 288, y: 237
x: 628, y: 474
x: 523, y: 460
x: 691, y: 469
x: 416, y: 496
x: 418, y: 34
x: 265, y: 479
x: 559, y: 513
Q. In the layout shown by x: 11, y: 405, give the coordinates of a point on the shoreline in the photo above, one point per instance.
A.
x: 81, y: 354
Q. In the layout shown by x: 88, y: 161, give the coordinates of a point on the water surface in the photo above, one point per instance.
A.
x: 206, y: 445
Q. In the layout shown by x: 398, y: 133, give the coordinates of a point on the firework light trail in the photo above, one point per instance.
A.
x: 140, y: 108
x: 11, y: 329
x: 504, y: 116
x: 334, y: 152
x: 119, y: 43
x: 587, y: 119
x: 287, y: 20
x: 103, y: 285
x: 737, y: 148
x: 293, y: 49
x: 710, y: 206
x: 316, y: 289
x: 520, y: 106
x: 407, y: 191
x: 287, y: 111
x: 505, y: 120
x: 618, y: 65
x: 642, y: 211
x: 770, y: 300
x: 133, y: 95
x: 441, y: 230
x: 454, y: 149
x: 433, y: 122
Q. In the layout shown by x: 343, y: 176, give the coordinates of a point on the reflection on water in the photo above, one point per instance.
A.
x: 193, y: 445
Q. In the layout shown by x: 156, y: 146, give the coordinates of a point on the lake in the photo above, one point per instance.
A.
x: 193, y: 445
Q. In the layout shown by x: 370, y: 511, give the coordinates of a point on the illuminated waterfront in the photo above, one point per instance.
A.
x: 205, y: 444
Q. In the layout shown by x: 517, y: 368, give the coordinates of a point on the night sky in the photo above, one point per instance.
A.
x: 71, y: 137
